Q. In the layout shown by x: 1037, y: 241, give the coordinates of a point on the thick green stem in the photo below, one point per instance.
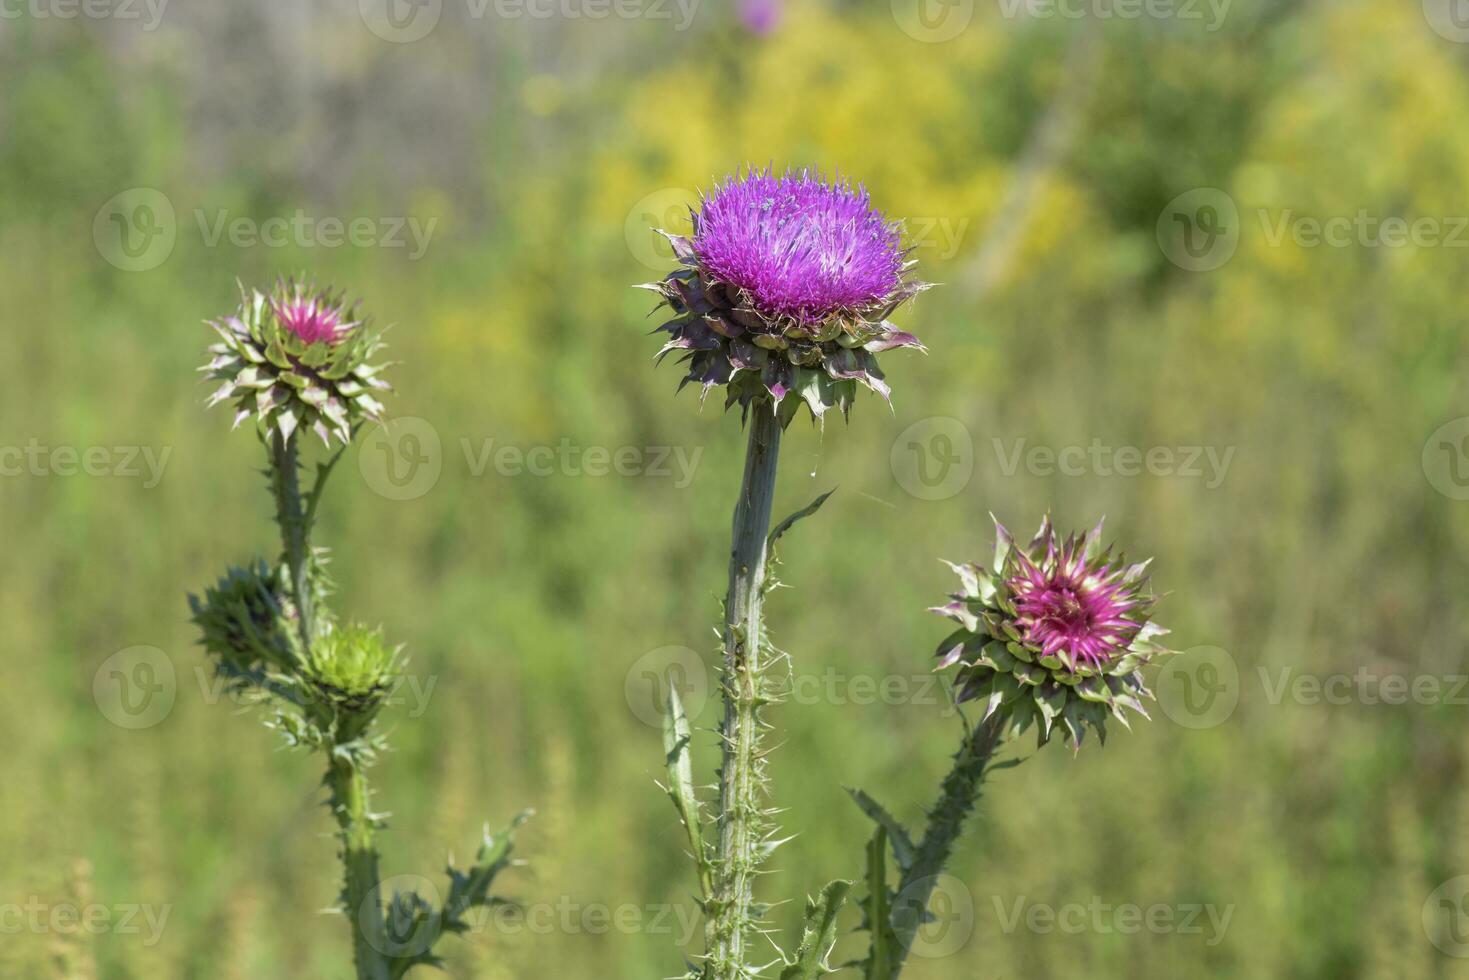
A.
x: 295, y: 535
x: 959, y: 794
x: 349, y: 799
x: 742, y: 821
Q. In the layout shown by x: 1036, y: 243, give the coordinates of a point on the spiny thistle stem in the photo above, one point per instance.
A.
x: 346, y: 776
x: 295, y: 535
x: 742, y: 820
x: 957, y: 798
x: 347, y: 781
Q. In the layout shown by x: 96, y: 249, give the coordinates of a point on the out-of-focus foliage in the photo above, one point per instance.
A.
x: 541, y: 148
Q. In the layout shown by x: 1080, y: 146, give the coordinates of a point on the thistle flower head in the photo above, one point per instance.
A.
x: 297, y: 358
x: 1056, y: 632
x: 784, y: 289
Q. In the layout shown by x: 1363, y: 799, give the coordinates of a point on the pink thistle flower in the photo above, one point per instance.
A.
x: 1053, y: 634
x: 1067, y: 603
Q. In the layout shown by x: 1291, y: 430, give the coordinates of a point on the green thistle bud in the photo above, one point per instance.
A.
x: 351, y: 668
x: 297, y: 359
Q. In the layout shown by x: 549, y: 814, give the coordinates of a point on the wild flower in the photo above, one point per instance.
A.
x: 1054, y: 634
x: 783, y: 293
x: 297, y: 360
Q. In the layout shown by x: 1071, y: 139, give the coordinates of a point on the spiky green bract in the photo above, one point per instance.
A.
x: 778, y: 363
x: 1074, y: 670
x: 297, y: 360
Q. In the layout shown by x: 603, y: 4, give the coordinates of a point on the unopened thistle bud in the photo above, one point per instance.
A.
x: 352, y: 668
x: 297, y: 359
x: 1056, y: 633
x: 244, y: 619
x: 785, y: 289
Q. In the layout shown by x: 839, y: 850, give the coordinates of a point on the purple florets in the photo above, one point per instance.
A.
x: 800, y: 248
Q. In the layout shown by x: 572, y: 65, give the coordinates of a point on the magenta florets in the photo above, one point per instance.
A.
x: 800, y: 248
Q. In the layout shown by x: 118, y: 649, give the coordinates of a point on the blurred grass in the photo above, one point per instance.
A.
x: 529, y: 599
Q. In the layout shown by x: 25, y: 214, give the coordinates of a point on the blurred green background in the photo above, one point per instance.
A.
x: 1119, y: 209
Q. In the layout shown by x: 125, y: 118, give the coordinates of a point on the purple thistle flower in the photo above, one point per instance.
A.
x: 760, y: 17
x: 800, y: 248
x: 785, y: 289
x: 1053, y: 634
